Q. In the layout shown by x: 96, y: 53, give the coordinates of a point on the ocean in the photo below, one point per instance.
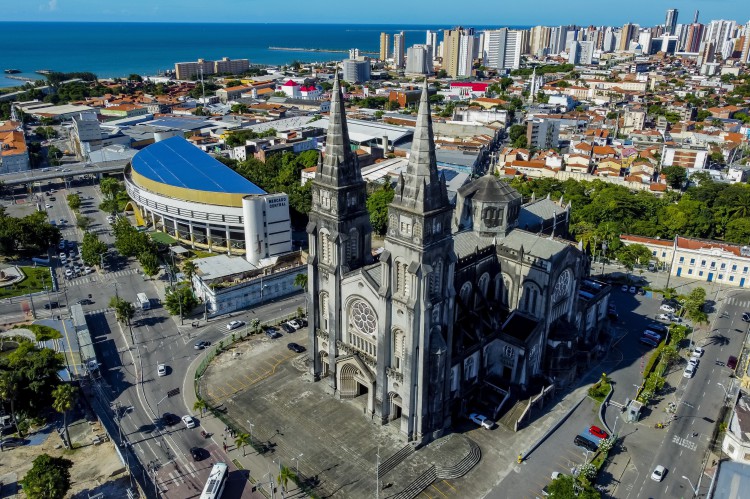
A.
x: 120, y: 49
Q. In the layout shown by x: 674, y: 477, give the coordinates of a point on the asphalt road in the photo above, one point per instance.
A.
x: 685, y: 440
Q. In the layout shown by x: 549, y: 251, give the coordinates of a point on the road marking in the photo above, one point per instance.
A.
x: 684, y: 442
x: 439, y: 492
x: 449, y: 485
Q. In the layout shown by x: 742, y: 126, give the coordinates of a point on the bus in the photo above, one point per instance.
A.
x: 587, y: 441
x: 143, y: 302
x: 217, y: 479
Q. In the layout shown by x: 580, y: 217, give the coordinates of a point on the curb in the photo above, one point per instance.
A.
x: 603, y: 408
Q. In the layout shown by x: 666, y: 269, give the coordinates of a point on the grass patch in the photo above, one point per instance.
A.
x: 202, y: 254
x: 36, y: 277
x: 42, y: 333
x: 601, y: 389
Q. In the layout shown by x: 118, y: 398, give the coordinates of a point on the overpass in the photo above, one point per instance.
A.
x: 65, y: 171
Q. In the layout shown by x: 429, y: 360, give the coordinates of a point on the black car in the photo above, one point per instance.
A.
x: 200, y: 345
x: 198, y: 453
x: 51, y: 305
x: 170, y: 419
x: 294, y: 347
x: 273, y: 333
x: 10, y: 442
x: 287, y: 328
x: 746, y: 316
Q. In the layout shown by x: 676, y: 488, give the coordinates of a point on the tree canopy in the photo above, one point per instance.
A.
x: 377, y: 206
x: 31, y: 233
x: 48, y: 478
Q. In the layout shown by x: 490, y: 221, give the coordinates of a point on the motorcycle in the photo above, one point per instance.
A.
x: 205, y: 434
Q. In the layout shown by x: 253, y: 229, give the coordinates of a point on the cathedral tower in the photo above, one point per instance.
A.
x: 339, y: 230
x: 419, y: 256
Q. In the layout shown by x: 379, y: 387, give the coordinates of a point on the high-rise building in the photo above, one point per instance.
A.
x: 385, y: 46
x: 539, y: 40
x: 524, y: 41
x: 746, y: 45
x: 187, y: 70
x: 557, y: 39
x: 626, y: 35
x: 398, y: 49
x: 719, y: 31
x: 432, y: 41
x: 581, y: 52
x: 542, y: 133
x: 670, y: 24
x: 354, y: 54
x: 419, y: 60
x: 502, y: 48
x: 356, y: 71
x: 609, y: 42
x: 693, y: 39
x: 458, y: 51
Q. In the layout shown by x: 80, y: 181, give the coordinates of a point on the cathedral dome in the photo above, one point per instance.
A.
x: 489, y: 188
x: 489, y: 206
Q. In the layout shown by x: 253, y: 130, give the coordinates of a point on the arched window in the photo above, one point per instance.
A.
x: 402, y: 279
x: 436, y: 278
x: 325, y: 247
x: 353, y: 244
x: 465, y: 293
x: 399, y: 349
x: 363, y: 327
x: 482, y: 285
x: 324, y: 311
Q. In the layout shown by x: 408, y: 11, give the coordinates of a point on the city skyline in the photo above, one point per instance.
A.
x: 425, y: 12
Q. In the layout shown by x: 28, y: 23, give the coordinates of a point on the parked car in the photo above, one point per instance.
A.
x: 624, y: 288
x: 161, y: 369
x: 235, y: 325
x: 286, y: 327
x: 663, y: 317
x: 295, y: 324
x: 746, y: 316
x: 732, y: 362
x: 689, y: 371
x: 294, y: 347
x: 658, y: 474
x: 11, y: 442
x: 633, y: 289
x: 273, y: 333
x: 598, y: 432
x: 189, y: 421
x: 693, y: 361
x: 697, y: 352
x: 50, y: 305
x: 667, y: 308
x: 482, y: 421
x: 200, y: 345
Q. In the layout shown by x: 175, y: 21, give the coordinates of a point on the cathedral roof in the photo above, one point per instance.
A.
x: 536, y: 245
x: 489, y: 188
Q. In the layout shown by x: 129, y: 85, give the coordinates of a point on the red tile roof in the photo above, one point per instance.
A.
x: 646, y: 240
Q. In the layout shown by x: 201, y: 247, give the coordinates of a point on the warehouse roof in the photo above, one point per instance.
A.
x: 178, y: 163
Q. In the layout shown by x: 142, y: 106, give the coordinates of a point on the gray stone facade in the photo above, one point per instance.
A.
x: 461, y: 307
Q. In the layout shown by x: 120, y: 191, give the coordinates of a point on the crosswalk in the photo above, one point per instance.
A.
x: 55, y: 344
x: 99, y: 311
x: 740, y: 303
x: 108, y: 276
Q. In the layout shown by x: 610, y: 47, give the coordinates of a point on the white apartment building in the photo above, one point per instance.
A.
x: 419, y: 60
x: 502, y: 48
x: 709, y: 261
x: 542, y: 133
x: 398, y: 49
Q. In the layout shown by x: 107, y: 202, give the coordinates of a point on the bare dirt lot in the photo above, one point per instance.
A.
x: 96, y: 467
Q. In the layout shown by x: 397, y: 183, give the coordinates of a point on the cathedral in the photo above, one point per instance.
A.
x: 467, y: 306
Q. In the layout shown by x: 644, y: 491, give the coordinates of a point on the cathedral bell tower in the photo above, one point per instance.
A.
x: 419, y: 258
x: 339, y: 233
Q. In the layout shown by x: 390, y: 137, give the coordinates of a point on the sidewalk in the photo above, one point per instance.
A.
x: 257, y: 467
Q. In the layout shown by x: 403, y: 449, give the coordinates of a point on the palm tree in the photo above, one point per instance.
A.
x: 189, y: 268
x: 200, y: 405
x: 9, y: 391
x: 285, y: 474
x: 241, y: 441
x: 64, y: 399
x: 301, y: 281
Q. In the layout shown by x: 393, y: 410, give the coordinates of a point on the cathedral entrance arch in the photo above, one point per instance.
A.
x: 353, y: 379
x: 394, y: 411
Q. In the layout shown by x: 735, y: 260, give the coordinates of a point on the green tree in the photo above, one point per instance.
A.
x: 377, y: 206
x: 300, y: 280
x: 110, y: 187
x: 516, y: 131
x: 285, y: 474
x: 82, y: 221
x: 521, y: 142
x: 31, y: 374
x: 64, y: 400
x: 241, y: 441
x: 48, y: 478
x: 74, y: 201
x: 676, y: 176
x: 189, y: 268
x: 92, y: 248
x: 738, y: 231
x: 566, y: 487
x: 180, y: 295
x: 149, y: 262
x: 200, y: 405
x: 9, y: 393
x: 135, y: 77
x: 124, y: 310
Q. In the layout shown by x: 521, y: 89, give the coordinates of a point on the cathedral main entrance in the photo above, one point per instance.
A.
x: 354, y: 379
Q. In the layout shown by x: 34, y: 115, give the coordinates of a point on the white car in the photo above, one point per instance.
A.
x: 48, y: 206
x: 658, y: 473
x: 293, y: 323
x: 235, y: 325
x: 633, y: 289
x: 87, y: 270
x: 689, y: 371
x: 161, y: 369
x: 697, y: 353
x: 692, y: 361
x: 663, y: 317
x: 667, y: 308
x: 189, y: 421
x: 482, y: 421
x: 68, y: 273
x: 624, y: 288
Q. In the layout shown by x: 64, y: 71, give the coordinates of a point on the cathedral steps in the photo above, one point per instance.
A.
x: 510, y: 420
x: 463, y: 466
x: 393, y: 461
x: 418, y: 485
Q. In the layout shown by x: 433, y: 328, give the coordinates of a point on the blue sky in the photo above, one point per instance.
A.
x: 442, y: 12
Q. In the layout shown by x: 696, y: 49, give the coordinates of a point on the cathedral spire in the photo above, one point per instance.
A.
x: 421, y: 189
x: 339, y: 165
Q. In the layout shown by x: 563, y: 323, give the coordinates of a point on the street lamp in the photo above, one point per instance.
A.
x: 297, y: 460
x: 694, y: 489
x: 251, y: 431
x: 726, y: 392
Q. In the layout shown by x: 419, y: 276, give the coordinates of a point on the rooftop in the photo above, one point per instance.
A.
x: 178, y: 163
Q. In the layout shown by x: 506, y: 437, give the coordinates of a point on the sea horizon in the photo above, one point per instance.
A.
x: 117, y: 49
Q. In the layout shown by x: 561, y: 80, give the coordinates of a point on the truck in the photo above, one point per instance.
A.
x: 143, y: 302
